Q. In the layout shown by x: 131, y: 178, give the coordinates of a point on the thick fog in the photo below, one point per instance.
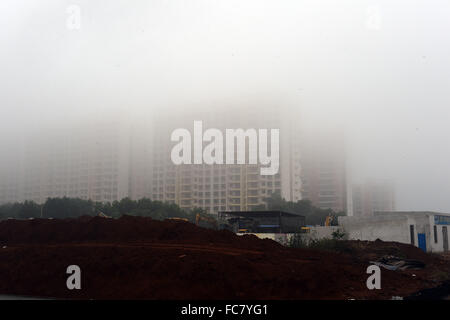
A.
x: 377, y: 70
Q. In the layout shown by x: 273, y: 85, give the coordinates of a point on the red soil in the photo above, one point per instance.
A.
x: 140, y: 258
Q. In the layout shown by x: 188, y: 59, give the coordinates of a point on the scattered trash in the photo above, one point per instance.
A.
x: 396, y: 298
x: 395, y: 263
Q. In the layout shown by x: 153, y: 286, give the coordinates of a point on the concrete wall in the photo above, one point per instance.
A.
x: 371, y: 228
x: 437, y: 246
x: 316, y: 233
x: 395, y: 226
x: 388, y: 226
x: 320, y: 232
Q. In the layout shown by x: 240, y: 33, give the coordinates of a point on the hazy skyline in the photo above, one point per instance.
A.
x: 377, y: 70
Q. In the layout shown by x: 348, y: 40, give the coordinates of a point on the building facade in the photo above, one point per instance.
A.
x: 426, y: 230
x: 324, y: 172
x: 86, y: 162
x: 222, y: 187
x: 113, y: 160
x: 372, y: 197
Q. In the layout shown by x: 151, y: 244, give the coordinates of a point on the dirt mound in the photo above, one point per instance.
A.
x: 124, y: 229
x: 141, y: 258
x: 370, y: 250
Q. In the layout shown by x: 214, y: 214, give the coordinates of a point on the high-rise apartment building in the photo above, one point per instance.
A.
x: 373, y: 197
x: 87, y: 162
x: 10, y: 172
x: 221, y: 187
x: 113, y: 160
x: 9, y: 185
x: 324, y: 174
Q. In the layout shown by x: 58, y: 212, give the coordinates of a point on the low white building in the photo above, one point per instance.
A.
x: 426, y: 230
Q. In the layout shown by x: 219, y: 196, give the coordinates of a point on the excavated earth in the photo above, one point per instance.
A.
x: 141, y: 258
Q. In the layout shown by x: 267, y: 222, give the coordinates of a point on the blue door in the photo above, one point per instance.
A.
x: 422, y: 241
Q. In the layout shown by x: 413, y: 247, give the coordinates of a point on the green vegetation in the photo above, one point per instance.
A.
x: 72, y: 208
x: 313, y: 215
x: 297, y: 241
x: 339, y: 235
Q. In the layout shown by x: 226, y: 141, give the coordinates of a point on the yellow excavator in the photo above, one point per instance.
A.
x: 328, y: 220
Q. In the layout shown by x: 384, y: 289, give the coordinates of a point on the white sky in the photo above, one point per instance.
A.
x: 379, y: 69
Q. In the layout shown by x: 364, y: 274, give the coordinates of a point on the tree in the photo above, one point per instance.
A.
x: 29, y: 209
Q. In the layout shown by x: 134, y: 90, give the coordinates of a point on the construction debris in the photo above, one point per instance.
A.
x: 395, y: 263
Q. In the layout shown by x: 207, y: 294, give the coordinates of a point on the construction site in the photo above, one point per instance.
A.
x: 141, y: 258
